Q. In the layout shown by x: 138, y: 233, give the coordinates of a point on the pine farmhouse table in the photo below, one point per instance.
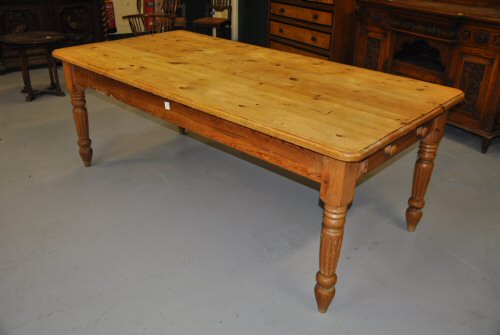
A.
x: 328, y: 122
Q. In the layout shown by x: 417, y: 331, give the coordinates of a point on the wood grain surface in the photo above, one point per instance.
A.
x: 340, y: 111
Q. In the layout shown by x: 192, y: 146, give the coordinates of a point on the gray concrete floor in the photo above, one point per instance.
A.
x: 169, y: 234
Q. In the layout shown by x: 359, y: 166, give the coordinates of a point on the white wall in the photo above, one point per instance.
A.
x: 123, y: 7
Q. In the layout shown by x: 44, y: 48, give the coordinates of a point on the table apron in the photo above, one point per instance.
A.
x: 393, y: 149
x: 291, y: 157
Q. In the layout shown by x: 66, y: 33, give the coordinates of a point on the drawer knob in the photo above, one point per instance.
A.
x: 390, y: 150
x: 282, y: 10
x: 281, y: 30
x: 314, y: 38
x: 315, y: 17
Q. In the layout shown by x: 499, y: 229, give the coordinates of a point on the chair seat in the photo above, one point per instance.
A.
x: 180, y: 22
x: 211, y: 21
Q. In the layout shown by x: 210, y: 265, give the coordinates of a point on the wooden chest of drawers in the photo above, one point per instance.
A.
x: 453, y: 43
x: 318, y: 28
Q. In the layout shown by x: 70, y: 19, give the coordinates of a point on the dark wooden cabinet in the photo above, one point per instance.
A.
x: 318, y: 28
x: 454, y: 43
x: 80, y: 20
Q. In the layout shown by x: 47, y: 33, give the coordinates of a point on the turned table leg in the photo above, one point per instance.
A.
x: 337, y: 191
x: 51, y: 70
x: 23, y: 61
x: 423, y: 171
x: 80, y: 114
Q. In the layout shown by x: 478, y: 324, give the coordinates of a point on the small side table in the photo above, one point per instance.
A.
x: 47, y: 40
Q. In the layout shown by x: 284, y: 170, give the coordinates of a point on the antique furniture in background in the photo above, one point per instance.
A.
x: 454, y: 43
x: 142, y: 24
x: 80, y: 20
x: 325, y: 121
x: 318, y: 28
x: 213, y: 22
x: 45, y: 40
x: 180, y: 17
x: 164, y: 18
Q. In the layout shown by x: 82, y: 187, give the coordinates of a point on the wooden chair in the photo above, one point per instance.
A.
x: 216, y: 23
x: 142, y: 24
x: 180, y: 18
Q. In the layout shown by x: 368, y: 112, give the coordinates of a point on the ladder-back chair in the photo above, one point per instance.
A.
x: 211, y: 21
x: 163, y: 20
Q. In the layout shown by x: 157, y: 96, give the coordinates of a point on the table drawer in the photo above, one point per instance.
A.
x: 288, y: 48
x: 303, y: 35
x: 304, y: 14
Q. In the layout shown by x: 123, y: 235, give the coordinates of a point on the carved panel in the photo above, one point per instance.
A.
x: 462, y: 51
x: 482, y: 37
x: 79, y: 19
x: 76, y: 22
x: 16, y: 21
x: 465, y: 35
x: 422, y: 27
x: 496, y: 40
x: 470, y: 83
x: 372, y: 53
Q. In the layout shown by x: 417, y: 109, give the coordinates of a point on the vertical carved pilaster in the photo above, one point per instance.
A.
x: 423, y: 171
x: 470, y: 83
x: 332, y: 235
x: 372, y: 53
x: 104, y: 22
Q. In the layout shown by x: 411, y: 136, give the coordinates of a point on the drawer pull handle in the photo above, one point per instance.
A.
x: 281, y: 30
x: 315, y: 17
x: 282, y: 10
x: 391, y: 150
x: 314, y: 38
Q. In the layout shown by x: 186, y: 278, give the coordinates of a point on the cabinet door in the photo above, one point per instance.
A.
x: 80, y: 20
x: 19, y: 16
x: 371, y: 48
x: 476, y: 74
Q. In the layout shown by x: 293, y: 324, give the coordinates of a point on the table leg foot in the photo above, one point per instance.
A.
x: 181, y: 130
x: 80, y: 116
x: 423, y: 172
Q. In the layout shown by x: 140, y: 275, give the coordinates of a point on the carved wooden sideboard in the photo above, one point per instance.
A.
x: 454, y: 43
x: 80, y: 20
x: 318, y: 28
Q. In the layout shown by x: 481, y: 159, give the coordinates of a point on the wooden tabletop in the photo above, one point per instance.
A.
x: 340, y: 111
